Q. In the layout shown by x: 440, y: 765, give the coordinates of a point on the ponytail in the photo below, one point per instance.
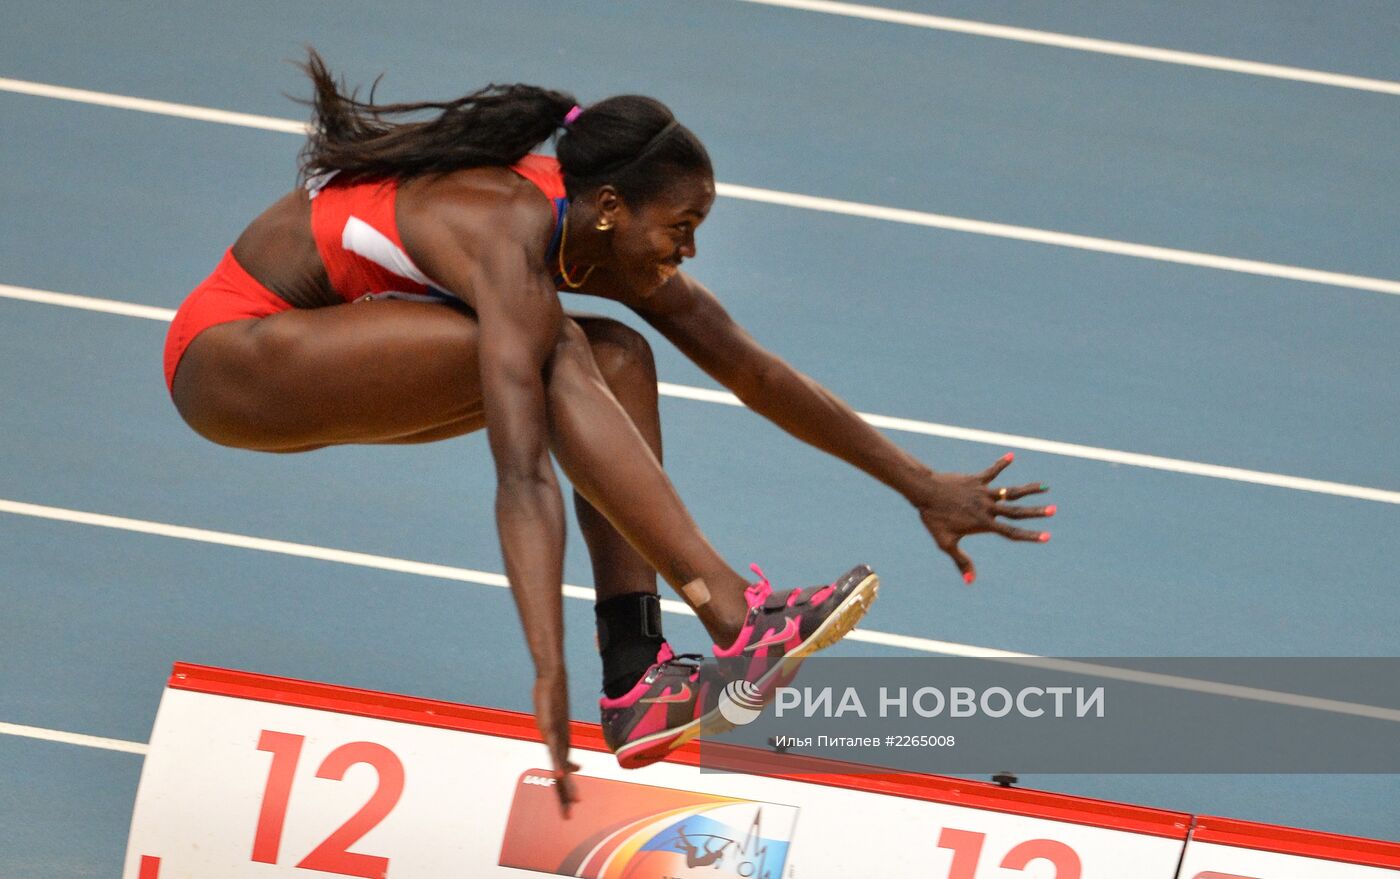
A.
x: 496, y: 125
x: 630, y: 142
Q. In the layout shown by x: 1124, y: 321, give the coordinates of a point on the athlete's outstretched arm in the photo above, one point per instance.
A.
x: 521, y: 321
x: 951, y: 505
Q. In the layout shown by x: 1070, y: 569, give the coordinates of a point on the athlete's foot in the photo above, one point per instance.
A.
x: 783, y: 628
x: 667, y: 708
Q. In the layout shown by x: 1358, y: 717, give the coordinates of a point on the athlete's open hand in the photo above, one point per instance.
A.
x: 954, y: 505
x: 552, y: 718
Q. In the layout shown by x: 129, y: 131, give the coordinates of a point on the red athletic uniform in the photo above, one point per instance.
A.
x: 358, y: 240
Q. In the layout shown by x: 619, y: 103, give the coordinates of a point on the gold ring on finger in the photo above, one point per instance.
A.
x: 1001, y: 494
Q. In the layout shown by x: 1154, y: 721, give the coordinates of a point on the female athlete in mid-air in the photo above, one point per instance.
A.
x: 408, y: 292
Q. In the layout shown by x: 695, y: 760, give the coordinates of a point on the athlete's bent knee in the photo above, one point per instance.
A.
x: 570, y: 349
x: 620, y: 351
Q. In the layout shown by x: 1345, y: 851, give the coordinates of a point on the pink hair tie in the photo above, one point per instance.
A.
x: 573, y: 114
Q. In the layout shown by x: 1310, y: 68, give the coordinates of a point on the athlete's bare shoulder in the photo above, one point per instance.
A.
x: 475, y: 204
x: 458, y: 225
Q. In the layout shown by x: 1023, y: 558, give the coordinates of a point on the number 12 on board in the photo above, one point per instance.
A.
x: 333, y: 854
x: 966, y: 846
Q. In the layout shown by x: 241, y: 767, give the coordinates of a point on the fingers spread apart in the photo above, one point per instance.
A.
x: 1013, y: 512
x: 950, y: 546
x: 994, y: 471
x: 1007, y: 493
x: 1006, y: 530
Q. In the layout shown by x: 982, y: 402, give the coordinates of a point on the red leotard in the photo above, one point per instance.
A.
x: 357, y: 237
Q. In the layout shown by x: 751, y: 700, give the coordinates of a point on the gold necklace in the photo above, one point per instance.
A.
x: 564, y: 272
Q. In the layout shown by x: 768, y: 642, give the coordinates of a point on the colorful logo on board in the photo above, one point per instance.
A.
x: 622, y: 830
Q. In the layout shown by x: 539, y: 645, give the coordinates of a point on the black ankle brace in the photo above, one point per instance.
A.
x: 629, y: 636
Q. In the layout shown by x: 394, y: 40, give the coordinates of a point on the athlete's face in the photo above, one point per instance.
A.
x: 650, y: 240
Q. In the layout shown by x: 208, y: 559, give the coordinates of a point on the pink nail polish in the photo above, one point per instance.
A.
x: 969, y: 577
x: 1050, y: 510
x: 1009, y: 456
x: 1044, y: 537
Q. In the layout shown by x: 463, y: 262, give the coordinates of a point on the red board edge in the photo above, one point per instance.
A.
x: 516, y: 725
x: 1291, y: 841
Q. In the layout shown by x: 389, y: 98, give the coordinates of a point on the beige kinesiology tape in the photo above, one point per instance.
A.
x: 696, y: 592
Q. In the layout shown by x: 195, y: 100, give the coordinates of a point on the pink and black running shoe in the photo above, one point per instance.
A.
x: 667, y: 708
x: 783, y: 628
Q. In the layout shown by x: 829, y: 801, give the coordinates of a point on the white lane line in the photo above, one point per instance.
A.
x: 906, y: 425
x: 1074, y: 450
x: 145, y: 105
x: 1060, y: 239
x: 807, y: 202
x: 68, y: 738
x: 1154, y: 679
x: 87, y: 303
x: 485, y: 578
x: 1087, y: 44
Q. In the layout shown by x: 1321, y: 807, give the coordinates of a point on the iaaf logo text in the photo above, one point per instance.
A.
x: 537, y: 780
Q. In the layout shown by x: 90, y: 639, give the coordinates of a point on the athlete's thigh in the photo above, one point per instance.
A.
x: 375, y: 371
